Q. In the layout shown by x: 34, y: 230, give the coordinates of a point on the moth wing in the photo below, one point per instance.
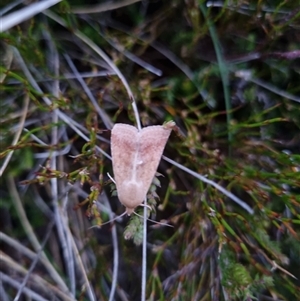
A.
x: 124, y: 143
x: 152, y: 141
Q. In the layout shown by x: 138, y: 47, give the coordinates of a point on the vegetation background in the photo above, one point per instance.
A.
x: 228, y: 74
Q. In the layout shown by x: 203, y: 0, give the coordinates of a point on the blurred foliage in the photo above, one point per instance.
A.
x: 59, y: 99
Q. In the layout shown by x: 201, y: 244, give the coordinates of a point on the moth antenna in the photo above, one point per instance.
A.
x: 112, y: 179
x: 99, y: 226
x: 153, y: 221
x: 144, y: 205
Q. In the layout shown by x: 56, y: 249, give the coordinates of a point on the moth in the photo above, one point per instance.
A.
x: 135, y: 158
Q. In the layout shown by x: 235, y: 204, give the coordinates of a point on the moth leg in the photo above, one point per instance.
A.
x: 112, y: 179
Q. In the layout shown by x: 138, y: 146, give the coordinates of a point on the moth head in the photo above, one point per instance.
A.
x: 131, y: 195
